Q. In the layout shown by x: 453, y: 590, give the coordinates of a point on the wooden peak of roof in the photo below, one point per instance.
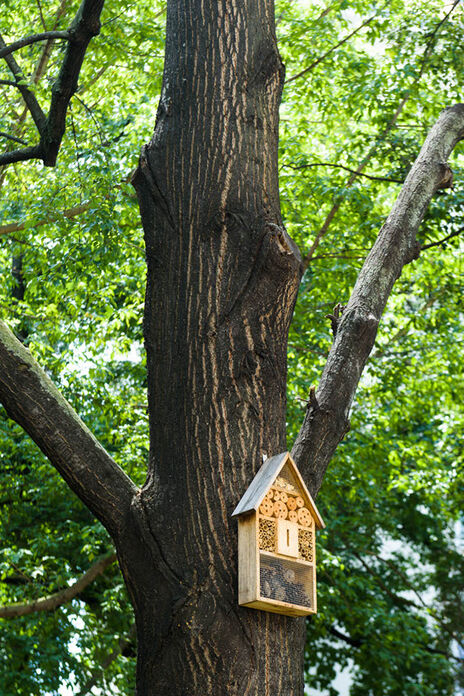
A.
x: 264, y: 479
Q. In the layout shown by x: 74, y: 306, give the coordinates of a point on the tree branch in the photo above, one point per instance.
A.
x: 34, y: 38
x: 327, y: 418
x: 28, y: 96
x: 68, y: 213
x: 25, y: 153
x: 340, y: 43
x: 13, y: 138
x: 56, y: 599
x: 342, y: 166
x: 84, y: 27
x: 442, y: 241
x: 31, y: 399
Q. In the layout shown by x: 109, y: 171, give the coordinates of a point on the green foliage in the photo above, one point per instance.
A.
x: 390, y: 590
x: 390, y: 574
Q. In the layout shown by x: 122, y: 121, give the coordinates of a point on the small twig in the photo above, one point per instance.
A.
x: 442, y: 241
x: 342, y: 166
x: 13, y: 138
x: 340, y: 43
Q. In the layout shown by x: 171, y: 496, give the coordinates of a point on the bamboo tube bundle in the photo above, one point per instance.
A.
x: 267, y: 535
x: 305, y: 544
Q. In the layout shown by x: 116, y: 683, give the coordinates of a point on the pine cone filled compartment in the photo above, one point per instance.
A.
x: 286, y: 581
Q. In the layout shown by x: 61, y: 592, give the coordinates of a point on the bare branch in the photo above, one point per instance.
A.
x: 444, y: 240
x: 13, y: 138
x: 341, y: 166
x: 26, y: 153
x: 340, y: 43
x: 28, y: 96
x: 56, y: 599
x: 326, y: 423
x: 84, y: 27
x: 34, y: 38
x: 31, y: 399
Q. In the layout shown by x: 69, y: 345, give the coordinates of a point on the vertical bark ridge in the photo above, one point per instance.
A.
x: 221, y: 285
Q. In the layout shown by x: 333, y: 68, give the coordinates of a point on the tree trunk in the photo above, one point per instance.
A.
x: 221, y: 286
x: 222, y: 282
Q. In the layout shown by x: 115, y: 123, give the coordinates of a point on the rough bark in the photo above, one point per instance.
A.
x: 221, y: 286
x: 327, y: 418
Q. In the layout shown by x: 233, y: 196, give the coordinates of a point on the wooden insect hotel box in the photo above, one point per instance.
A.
x: 277, y: 522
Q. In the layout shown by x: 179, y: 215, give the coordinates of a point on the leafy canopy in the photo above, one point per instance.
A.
x: 72, y: 285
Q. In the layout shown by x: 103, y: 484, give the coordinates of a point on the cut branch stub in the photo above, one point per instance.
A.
x: 335, y: 317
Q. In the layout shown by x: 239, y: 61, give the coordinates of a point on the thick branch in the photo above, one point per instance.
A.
x: 85, y: 26
x: 21, y: 155
x: 327, y: 418
x: 56, y: 599
x: 32, y: 400
x: 27, y: 40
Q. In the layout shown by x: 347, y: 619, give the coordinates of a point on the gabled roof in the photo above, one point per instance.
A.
x: 264, y: 479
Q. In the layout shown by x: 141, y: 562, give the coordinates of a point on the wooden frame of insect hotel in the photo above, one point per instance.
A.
x: 277, y: 522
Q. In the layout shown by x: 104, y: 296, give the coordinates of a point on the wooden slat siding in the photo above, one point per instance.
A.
x: 260, y: 485
x: 248, y: 561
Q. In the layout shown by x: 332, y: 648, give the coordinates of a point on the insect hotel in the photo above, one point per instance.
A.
x: 277, y: 522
